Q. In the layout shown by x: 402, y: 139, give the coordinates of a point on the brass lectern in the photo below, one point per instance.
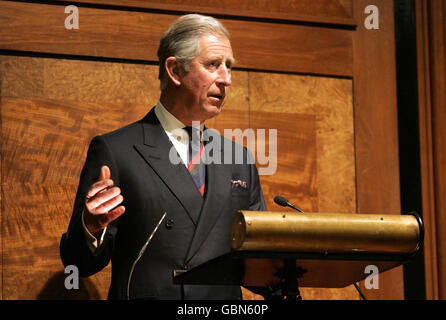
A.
x: 273, y: 253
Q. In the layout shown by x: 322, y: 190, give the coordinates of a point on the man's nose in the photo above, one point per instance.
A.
x: 224, y: 76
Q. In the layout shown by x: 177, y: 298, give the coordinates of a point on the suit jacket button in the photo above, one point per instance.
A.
x: 169, y: 224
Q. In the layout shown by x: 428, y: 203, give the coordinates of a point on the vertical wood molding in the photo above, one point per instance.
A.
x: 431, y: 50
x: 376, y: 128
x: 437, y: 68
x: 426, y: 150
x: 437, y: 35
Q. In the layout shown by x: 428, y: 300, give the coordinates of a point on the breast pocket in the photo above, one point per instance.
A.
x: 240, y: 199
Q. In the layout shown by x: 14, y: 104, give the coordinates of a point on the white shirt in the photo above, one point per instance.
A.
x: 174, y: 130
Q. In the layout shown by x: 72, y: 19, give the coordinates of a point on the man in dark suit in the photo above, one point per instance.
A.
x: 136, y: 174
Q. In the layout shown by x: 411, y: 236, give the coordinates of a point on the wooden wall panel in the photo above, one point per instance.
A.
x: 282, y: 47
x: 66, y: 98
x: 102, y: 33
x: 50, y: 110
x: 135, y: 35
x: 322, y: 11
x: 328, y: 103
x: 34, y: 217
x: 426, y: 151
x: 376, y: 129
x: 431, y: 51
x: 438, y: 91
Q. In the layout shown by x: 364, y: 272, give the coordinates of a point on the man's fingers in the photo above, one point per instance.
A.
x: 102, y: 201
x: 97, y: 204
x: 105, y: 173
x: 113, y: 215
x: 105, y: 219
x: 99, y: 186
x: 107, y: 206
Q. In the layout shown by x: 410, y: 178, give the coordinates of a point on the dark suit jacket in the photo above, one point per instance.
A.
x: 198, y: 229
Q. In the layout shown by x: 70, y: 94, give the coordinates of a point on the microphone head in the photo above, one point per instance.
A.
x: 281, y: 201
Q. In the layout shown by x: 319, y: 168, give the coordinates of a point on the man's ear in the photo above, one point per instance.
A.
x: 174, y: 70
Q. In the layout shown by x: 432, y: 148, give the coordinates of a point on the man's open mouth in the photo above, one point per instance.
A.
x: 217, y: 96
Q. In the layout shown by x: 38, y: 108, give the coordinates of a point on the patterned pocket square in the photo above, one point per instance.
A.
x: 238, y: 183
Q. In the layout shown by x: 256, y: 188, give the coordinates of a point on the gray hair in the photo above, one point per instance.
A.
x: 181, y: 41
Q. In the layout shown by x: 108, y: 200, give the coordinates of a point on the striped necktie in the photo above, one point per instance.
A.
x: 195, y: 158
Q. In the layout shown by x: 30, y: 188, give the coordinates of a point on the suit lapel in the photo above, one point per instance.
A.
x: 155, y: 151
x: 204, y: 213
x: 217, y: 194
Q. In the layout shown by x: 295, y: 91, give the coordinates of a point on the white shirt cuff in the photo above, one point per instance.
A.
x: 92, y: 242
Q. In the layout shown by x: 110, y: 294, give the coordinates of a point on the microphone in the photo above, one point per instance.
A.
x: 281, y: 201
x: 141, y: 252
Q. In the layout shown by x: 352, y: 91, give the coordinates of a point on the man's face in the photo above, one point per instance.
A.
x: 206, y: 84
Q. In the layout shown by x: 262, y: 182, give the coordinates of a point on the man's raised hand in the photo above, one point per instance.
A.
x: 102, y: 203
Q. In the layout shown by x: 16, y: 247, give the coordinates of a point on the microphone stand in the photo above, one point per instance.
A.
x: 359, y: 291
x: 141, y: 252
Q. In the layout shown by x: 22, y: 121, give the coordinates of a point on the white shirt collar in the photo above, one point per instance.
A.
x: 169, y: 122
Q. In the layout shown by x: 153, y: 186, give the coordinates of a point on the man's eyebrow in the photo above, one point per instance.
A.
x: 231, y: 60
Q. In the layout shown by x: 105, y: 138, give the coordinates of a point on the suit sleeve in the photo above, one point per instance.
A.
x: 74, y: 249
x: 256, y: 199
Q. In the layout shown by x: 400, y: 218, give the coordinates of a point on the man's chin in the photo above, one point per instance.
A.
x: 213, y: 110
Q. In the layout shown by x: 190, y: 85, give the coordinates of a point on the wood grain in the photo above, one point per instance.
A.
x: 283, y: 47
x: 34, y: 217
x: 431, y: 50
x: 438, y: 88
x: 328, y: 104
x: 135, y: 35
x: 318, y: 11
x: 426, y: 150
x: 376, y: 129
x: 50, y: 109
x: 296, y: 174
